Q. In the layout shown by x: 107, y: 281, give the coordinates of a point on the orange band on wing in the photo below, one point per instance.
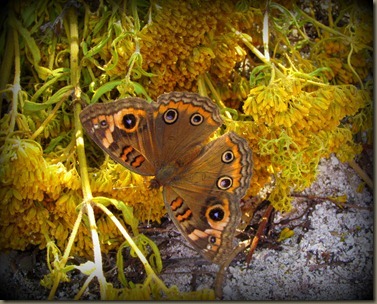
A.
x: 108, y: 140
x: 184, y: 216
x: 126, y: 151
x: 177, y: 203
x: 138, y: 161
x: 196, y: 234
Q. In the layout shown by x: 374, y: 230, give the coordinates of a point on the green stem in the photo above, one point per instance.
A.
x: 288, y: 12
x: 16, y: 82
x: 50, y: 116
x: 47, y: 85
x: 352, y: 69
x: 213, y: 91
x: 52, y: 50
x: 67, y: 252
x: 329, y: 29
x: 74, y: 47
x: 87, y: 193
x: 246, y: 39
x: 201, y: 86
x: 135, y: 15
x: 319, y: 24
x: 149, y: 270
x: 85, y: 182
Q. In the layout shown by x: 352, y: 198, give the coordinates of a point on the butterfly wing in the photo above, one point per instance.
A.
x: 124, y: 129
x: 192, y: 216
x: 184, y: 121
x: 204, y: 201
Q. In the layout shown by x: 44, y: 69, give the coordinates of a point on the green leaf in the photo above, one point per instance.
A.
x: 107, y: 87
x: 54, y: 142
x: 30, y: 107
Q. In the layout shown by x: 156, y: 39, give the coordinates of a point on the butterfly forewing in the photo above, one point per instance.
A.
x: 184, y: 121
x: 122, y: 129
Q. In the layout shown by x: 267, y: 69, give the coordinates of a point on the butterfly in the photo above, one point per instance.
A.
x: 203, y: 181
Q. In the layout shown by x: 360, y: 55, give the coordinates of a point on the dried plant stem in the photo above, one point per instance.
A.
x: 361, y: 173
x: 266, y: 33
x: 261, y: 227
x: 84, y: 286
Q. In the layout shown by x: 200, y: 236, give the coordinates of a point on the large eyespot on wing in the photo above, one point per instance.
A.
x: 123, y: 129
x: 208, y: 222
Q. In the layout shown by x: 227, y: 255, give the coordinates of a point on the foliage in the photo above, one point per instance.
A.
x: 296, y: 86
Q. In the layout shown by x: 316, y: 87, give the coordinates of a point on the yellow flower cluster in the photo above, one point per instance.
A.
x: 297, y: 124
x: 334, y: 55
x: 26, y: 171
x: 30, y: 185
x: 39, y: 198
x: 347, y: 50
x: 189, y: 38
x: 340, y: 141
x: 285, y: 103
x: 23, y: 222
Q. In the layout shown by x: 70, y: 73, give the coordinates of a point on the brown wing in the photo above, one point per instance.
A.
x: 184, y: 122
x: 204, y: 201
x: 125, y: 129
x: 147, y: 138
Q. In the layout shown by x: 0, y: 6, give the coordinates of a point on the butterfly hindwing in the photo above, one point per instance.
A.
x: 208, y: 222
x: 223, y: 165
x: 204, y: 201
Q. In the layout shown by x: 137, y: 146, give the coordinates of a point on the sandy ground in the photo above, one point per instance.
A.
x: 330, y: 257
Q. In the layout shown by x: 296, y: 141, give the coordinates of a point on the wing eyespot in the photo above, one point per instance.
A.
x: 216, y: 214
x: 103, y: 123
x: 129, y: 121
x: 227, y: 157
x: 224, y: 182
x: 196, y: 119
x: 170, y: 116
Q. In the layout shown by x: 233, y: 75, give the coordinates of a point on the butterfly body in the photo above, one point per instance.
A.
x: 202, y: 181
